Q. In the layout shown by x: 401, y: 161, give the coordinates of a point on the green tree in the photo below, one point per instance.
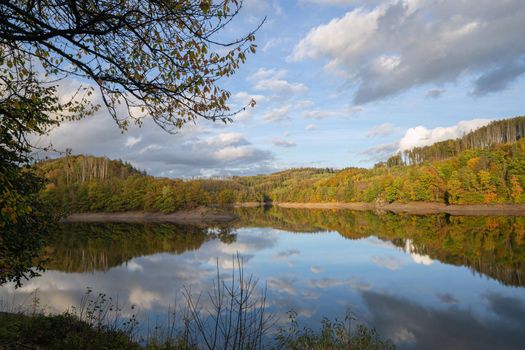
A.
x: 152, y: 58
x: 25, y: 107
x: 159, y: 58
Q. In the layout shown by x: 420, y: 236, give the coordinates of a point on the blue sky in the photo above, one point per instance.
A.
x: 340, y: 83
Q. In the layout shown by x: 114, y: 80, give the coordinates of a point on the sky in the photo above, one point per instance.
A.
x: 338, y: 83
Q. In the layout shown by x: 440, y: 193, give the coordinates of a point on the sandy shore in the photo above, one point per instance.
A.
x: 420, y: 208
x: 194, y: 216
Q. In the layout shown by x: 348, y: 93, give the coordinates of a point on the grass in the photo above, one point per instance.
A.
x: 67, y: 331
x: 57, y: 332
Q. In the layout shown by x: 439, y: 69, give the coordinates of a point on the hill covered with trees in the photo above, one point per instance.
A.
x: 484, y: 166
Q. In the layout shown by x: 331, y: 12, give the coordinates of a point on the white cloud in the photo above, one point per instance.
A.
x: 132, y: 141
x: 324, y: 114
x: 227, y: 139
x: 280, y: 86
x: 278, y: 142
x: 421, y: 136
x: 236, y: 153
x: 267, y: 73
x: 311, y: 127
x: 273, y: 80
x: 394, y: 46
x: 244, y: 98
x: 382, y: 130
x: 278, y: 114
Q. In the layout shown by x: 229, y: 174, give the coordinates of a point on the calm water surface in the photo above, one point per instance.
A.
x: 426, y: 282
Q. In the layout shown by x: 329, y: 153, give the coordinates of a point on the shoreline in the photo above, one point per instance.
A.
x: 417, y: 208
x: 207, y: 215
x: 201, y: 215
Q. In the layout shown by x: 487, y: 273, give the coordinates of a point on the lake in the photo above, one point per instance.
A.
x: 425, y: 282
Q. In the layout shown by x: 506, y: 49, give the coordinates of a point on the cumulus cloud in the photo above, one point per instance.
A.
x: 227, y: 139
x: 421, y: 136
x: 272, y: 80
x: 195, y: 151
x: 394, y: 46
x: 382, y: 130
x: 283, y: 142
x: 267, y: 73
x: 280, y: 86
x: 278, y: 114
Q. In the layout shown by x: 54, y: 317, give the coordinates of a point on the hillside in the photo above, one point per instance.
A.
x: 484, y: 166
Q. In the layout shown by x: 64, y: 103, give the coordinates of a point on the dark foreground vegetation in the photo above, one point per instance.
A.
x: 67, y: 331
x: 485, y: 166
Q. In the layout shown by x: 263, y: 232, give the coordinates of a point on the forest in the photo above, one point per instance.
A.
x: 483, y: 167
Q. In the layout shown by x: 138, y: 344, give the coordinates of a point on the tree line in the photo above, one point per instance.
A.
x: 472, y: 176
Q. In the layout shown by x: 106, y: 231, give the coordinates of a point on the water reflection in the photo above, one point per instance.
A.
x: 85, y: 247
x: 415, y: 326
x: 493, y: 246
x: 424, y: 281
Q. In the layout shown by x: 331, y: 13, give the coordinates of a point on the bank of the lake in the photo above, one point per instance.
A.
x: 201, y: 215
x: 212, y: 215
x: 418, y: 208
